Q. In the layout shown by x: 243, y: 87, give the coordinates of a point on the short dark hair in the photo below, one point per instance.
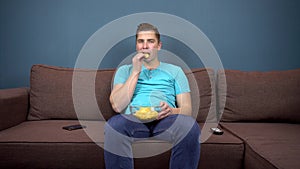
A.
x: 147, y: 27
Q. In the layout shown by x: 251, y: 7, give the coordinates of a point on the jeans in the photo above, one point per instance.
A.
x: 181, y: 130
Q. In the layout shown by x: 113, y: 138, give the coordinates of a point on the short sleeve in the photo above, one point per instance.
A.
x: 121, y: 74
x: 181, y: 83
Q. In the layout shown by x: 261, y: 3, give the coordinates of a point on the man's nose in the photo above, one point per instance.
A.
x: 145, y: 45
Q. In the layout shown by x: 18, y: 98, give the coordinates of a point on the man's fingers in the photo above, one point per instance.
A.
x: 163, y: 105
x: 164, y: 113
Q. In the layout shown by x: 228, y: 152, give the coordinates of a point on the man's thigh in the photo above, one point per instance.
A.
x: 173, y: 127
x: 129, y: 126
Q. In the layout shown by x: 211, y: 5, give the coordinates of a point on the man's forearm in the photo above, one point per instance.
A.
x: 182, y: 110
x: 184, y: 104
x: 121, y: 97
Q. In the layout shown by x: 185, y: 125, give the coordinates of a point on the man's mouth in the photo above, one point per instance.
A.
x: 146, y: 55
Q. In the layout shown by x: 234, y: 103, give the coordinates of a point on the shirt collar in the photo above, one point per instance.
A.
x: 158, y: 67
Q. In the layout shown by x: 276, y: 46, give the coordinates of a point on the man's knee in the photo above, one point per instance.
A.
x: 189, y: 125
x: 115, y: 123
x: 195, y: 130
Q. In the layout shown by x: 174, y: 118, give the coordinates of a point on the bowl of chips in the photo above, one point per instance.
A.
x: 145, y: 113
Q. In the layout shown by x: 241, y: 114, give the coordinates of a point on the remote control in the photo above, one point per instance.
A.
x: 74, y: 127
x: 216, y: 131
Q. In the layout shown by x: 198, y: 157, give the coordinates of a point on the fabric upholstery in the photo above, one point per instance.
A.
x: 222, y: 151
x: 53, y: 91
x: 259, y: 96
x: 203, y: 96
x: 30, y: 155
x: 14, y: 104
x: 269, y: 145
x: 69, y: 149
x: 56, y: 93
x: 269, y: 98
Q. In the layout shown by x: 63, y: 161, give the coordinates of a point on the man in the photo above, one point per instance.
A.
x: 149, y: 82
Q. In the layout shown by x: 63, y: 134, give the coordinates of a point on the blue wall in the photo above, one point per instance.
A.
x: 248, y: 35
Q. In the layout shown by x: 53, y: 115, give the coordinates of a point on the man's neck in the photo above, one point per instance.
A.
x: 152, y: 65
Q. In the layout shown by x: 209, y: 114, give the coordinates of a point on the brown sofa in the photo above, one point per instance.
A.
x: 263, y: 110
x: 259, y: 113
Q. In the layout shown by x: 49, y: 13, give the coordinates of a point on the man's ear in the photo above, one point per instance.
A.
x: 159, y: 45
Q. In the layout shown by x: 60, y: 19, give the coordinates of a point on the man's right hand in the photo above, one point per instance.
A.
x: 137, y: 62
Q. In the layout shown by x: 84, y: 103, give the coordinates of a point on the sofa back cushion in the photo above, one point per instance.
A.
x: 67, y: 93
x: 202, y: 85
x: 259, y: 96
x: 52, y: 95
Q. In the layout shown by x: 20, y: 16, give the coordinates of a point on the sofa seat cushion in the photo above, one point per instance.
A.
x: 269, y: 145
x: 216, y: 149
x: 47, y: 131
x: 46, y: 155
x: 50, y: 131
x: 46, y: 140
x: 55, y: 147
x: 44, y: 144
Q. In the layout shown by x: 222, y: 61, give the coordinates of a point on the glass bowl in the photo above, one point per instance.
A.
x: 145, y: 113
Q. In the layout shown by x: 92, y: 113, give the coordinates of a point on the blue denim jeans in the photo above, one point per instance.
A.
x: 181, y: 130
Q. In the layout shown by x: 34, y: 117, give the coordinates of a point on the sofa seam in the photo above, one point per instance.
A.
x: 257, y: 155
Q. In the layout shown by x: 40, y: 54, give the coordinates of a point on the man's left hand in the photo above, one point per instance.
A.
x: 166, y: 110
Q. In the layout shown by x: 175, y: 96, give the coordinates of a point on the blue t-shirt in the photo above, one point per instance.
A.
x: 154, y: 86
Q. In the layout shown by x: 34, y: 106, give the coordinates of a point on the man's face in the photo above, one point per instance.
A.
x: 147, y: 41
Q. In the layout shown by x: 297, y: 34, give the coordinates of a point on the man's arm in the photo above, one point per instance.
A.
x: 184, y: 104
x: 121, y: 94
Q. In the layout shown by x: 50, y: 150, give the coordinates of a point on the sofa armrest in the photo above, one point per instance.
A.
x: 14, y: 105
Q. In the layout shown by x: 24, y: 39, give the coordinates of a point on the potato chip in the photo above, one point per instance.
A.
x: 146, y: 114
x: 146, y: 55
